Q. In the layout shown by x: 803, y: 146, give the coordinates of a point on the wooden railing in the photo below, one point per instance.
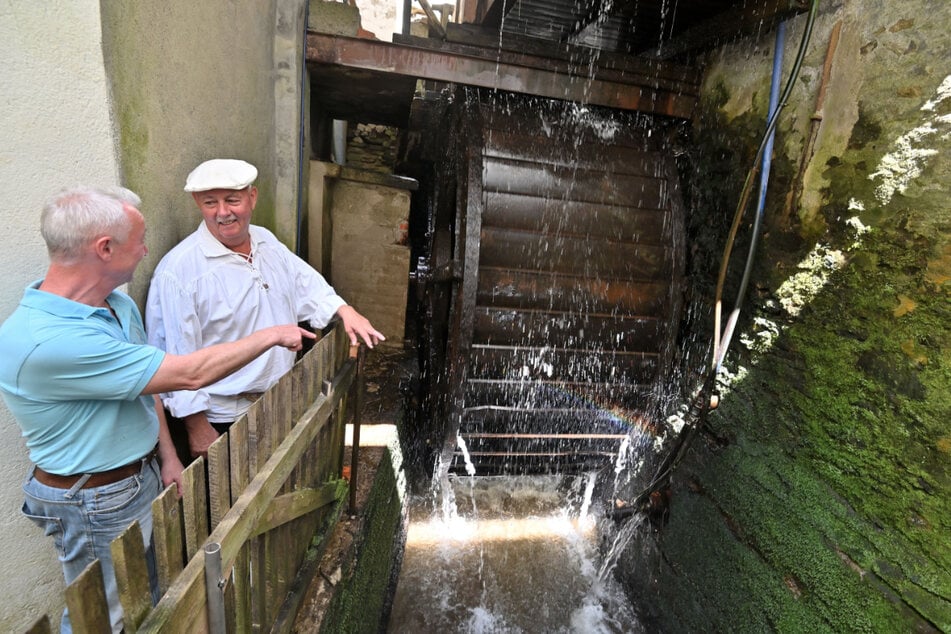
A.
x: 272, y: 486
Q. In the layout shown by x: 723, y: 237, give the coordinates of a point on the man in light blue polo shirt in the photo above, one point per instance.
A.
x: 80, y: 380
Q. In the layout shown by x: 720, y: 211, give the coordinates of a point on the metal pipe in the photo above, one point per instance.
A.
x: 213, y: 589
x: 765, y: 166
x: 360, y: 354
x: 796, y: 191
x: 720, y: 344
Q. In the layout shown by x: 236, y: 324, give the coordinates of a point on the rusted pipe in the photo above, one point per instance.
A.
x: 796, y: 192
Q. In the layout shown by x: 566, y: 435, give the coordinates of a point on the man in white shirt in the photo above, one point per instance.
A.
x: 227, y: 279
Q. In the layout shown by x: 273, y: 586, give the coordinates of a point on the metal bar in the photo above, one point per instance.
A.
x: 358, y: 351
x: 213, y: 589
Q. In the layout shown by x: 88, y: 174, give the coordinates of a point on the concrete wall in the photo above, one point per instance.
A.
x: 817, y: 497
x: 56, y: 133
x: 370, y: 248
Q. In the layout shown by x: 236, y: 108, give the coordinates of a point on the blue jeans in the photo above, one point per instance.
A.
x: 83, y: 523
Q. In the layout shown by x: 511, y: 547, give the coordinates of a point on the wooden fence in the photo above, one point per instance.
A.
x: 272, y: 486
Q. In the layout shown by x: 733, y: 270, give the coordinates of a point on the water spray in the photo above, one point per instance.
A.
x: 653, y: 498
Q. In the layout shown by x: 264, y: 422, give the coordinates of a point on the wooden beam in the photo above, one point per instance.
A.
x: 620, y: 67
x: 512, y: 72
x: 292, y: 505
x: 750, y: 19
x: 435, y: 24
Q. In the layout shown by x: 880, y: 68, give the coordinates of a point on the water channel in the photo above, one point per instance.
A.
x: 508, y: 554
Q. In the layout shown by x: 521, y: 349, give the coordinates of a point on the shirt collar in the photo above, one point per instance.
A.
x: 33, y: 297
x: 212, y: 248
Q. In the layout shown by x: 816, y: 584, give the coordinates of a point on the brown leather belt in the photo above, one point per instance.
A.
x: 96, y: 479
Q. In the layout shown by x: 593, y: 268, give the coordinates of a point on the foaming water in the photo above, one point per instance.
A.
x: 518, y: 554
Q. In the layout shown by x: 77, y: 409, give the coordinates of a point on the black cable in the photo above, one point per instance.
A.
x: 701, y: 404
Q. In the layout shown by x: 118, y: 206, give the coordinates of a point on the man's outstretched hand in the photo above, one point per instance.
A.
x: 359, y: 327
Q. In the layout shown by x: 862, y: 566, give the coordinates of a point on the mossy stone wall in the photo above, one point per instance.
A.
x: 817, y: 496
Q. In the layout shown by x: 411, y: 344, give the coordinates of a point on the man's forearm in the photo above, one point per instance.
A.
x: 200, y: 433
x: 203, y: 367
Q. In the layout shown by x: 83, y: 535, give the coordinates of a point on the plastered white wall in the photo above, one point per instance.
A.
x: 380, y: 18
x: 56, y: 132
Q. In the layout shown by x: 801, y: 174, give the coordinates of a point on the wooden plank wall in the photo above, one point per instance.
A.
x: 266, y: 488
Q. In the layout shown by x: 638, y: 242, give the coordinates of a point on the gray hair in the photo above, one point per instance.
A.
x: 74, y: 217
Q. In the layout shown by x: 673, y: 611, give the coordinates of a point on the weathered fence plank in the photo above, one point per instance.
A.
x: 195, y: 505
x: 219, y: 478
x: 86, y: 600
x: 240, y: 574
x: 291, y: 506
x: 41, y: 626
x: 132, y: 577
x: 168, y: 536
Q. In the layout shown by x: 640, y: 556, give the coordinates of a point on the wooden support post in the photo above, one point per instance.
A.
x: 358, y: 352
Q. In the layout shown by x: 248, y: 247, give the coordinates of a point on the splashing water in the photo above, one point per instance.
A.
x: 621, y: 540
x: 470, y: 468
x: 520, y: 555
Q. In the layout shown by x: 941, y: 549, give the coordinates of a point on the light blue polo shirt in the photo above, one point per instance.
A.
x: 73, y: 378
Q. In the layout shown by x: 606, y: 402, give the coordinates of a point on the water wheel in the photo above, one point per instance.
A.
x: 563, y: 285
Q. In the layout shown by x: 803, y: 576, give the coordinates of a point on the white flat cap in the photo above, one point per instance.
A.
x: 221, y: 174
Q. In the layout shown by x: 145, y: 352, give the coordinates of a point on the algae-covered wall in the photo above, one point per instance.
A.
x: 817, y: 496
x: 197, y: 80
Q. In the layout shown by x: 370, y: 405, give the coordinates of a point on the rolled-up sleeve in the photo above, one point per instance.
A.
x: 317, y: 301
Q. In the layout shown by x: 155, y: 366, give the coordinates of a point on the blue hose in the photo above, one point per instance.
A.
x: 768, y: 151
x: 723, y: 336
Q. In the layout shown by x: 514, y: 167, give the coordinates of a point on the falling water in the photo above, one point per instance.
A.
x: 537, y: 553
x: 519, y: 555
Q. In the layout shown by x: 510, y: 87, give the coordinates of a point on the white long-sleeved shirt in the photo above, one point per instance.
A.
x: 203, y: 293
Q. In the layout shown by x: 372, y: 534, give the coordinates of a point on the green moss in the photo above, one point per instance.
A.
x: 866, y: 426
x: 360, y: 601
x: 825, y: 505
